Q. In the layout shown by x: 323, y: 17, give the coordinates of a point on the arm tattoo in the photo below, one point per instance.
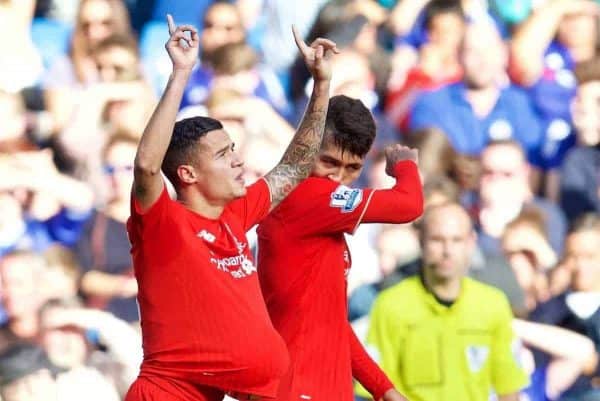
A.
x: 297, y: 161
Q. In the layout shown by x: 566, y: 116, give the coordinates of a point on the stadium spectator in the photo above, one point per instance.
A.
x: 437, y: 63
x: 120, y: 102
x: 96, y: 20
x: 222, y: 27
x: 107, y: 273
x: 26, y: 374
x: 545, y: 50
x: 42, y: 205
x: 504, y: 191
x: 580, y: 171
x: 98, y: 353
x: 483, y: 107
x: 21, y: 275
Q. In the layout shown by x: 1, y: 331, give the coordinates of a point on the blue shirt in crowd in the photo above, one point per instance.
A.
x: 552, y: 95
x: 447, y: 109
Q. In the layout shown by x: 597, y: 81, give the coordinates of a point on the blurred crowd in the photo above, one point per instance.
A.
x: 501, y: 97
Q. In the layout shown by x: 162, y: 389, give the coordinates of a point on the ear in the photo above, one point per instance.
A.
x: 187, y: 174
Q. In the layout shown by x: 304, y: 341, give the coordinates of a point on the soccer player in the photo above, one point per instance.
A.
x: 205, y: 327
x: 303, y: 258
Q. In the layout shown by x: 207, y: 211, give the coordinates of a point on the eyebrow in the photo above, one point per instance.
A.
x: 223, y: 150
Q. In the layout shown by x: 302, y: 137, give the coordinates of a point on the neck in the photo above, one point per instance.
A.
x: 447, y: 289
x: 24, y: 327
x: 482, y: 100
x: 118, y: 210
x: 201, y: 205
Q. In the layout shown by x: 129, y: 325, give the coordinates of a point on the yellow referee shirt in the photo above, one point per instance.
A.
x: 436, y: 353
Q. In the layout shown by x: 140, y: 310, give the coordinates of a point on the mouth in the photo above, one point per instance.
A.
x: 240, y: 178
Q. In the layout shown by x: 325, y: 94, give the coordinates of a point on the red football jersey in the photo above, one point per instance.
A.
x: 203, y: 317
x: 303, y: 263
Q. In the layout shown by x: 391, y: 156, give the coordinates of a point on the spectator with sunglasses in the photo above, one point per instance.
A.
x: 107, y: 279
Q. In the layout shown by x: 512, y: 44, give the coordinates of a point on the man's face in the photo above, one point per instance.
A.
x: 97, y: 21
x: 218, y: 168
x: 20, y: 278
x: 503, y: 175
x: 65, y: 345
x: 118, y: 167
x: 483, y: 57
x: 586, y: 113
x: 222, y: 25
x: 117, y: 64
x: 448, y: 242
x: 337, y: 165
x: 447, y: 31
x: 583, y: 251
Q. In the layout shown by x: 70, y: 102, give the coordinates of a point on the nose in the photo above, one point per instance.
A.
x: 336, y: 175
x: 236, y: 160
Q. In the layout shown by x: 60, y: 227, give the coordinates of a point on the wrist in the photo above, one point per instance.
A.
x: 181, y: 73
x: 322, y: 84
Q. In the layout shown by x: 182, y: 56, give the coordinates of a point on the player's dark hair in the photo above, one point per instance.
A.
x: 183, y: 145
x: 439, y: 7
x: 349, y: 125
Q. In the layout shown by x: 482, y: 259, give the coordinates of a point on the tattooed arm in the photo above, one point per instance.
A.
x: 297, y: 161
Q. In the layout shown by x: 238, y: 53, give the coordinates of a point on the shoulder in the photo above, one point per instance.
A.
x: 514, y: 92
x: 487, y: 296
x: 439, y: 95
x: 407, y: 288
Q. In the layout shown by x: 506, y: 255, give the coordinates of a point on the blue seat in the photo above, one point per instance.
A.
x: 183, y: 11
x: 51, y: 38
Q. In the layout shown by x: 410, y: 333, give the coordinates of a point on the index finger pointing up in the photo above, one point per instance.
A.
x: 299, y: 41
x: 171, y: 24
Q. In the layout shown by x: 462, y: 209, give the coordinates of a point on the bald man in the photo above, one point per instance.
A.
x: 441, y: 335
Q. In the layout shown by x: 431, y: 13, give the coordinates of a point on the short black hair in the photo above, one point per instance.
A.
x: 186, y: 135
x: 21, y: 360
x: 349, y: 125
x: 439, y: 7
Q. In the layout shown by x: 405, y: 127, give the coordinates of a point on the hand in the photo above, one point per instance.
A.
x: 183, y: 50
x: 129, y: 287
x: 393, y: 395
x: 316, y: 56
x: 396, y: 153
x: 586, y: 7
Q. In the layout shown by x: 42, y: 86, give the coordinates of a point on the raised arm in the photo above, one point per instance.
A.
x: 403, y: 202
x: 297, y: 161
x: 535, y: 35
x: 183, y: 51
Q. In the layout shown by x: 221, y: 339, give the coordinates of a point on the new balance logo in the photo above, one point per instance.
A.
x: 205, y: 235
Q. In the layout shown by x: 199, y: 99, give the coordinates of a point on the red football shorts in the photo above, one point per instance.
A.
x: 162, y: 389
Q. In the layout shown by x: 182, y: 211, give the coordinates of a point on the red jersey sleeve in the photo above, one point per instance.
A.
x: 366, y: 371
x: 402, y: 203
x: 254, y: 206
x: 140, y: 221
x: 321, y: 206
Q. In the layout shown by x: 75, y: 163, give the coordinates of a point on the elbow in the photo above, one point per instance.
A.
x: 417, y: 207
x: 145, y: 167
